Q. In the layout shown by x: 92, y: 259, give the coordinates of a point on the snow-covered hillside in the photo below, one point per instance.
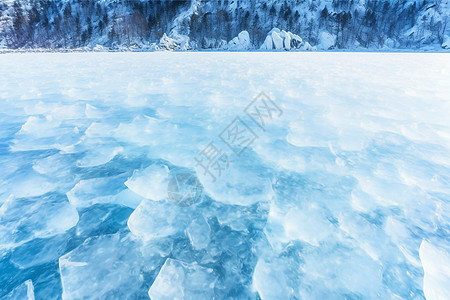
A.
x: 211, y: 24
x: 341, y: 193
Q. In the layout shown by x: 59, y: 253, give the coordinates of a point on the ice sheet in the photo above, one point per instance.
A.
x: 344, y: 193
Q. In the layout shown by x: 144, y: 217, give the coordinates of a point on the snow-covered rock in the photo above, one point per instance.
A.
x: 99, y: 48
x: 389, y: 43
x: 446, y: 43
x: 278, y: 39
x: 326, y: 41
x: 296, y: 41
x: 182, y: 40
x: 286, y: 40
x: 174, y: 42
x: 166, y: 43
x: 307, y: 46
x: 207, y: 43
x: 268, y: 43
x: 241, y: 42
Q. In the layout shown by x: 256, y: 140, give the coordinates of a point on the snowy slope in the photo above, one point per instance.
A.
x: 343, y: 193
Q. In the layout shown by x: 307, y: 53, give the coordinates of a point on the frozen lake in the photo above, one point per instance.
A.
x: 226, y: 175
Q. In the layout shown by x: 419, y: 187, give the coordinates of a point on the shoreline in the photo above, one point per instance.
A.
x: 8, y: 51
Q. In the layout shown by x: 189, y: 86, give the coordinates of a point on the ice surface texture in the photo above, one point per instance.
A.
x: 346, y: 194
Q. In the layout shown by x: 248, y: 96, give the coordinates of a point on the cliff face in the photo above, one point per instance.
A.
x: 213, y: 24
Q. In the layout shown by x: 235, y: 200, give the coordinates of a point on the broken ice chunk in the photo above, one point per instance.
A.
x: 94, y: 112
x: 338, y: 270
x: 102, y: 219
x: 128, y: 198
x: 198, y: 233
x: 40, y: 126
x: 150, y: 183
x: 23, y: 219
x: 400, y: 235
x: 184, y: 189
x: 27, y: 183
x: 40, y: 133
x: 179, y: 280
x: 25, y: 291
x: 96, y: 190
x: 104, y: 267
x: 100, y: 152
x: 39, y: 251
x: 240, y: 218
x: 436, y: 267
x: 289, y: 223
x: 273, y: 278
x: 299, y: 224
x: 58, y: 164
x: 156, y: 219
x: 245, y: 182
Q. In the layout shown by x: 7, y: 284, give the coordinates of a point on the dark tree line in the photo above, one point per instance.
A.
x: 56, y: 24
x: 77, y: 23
